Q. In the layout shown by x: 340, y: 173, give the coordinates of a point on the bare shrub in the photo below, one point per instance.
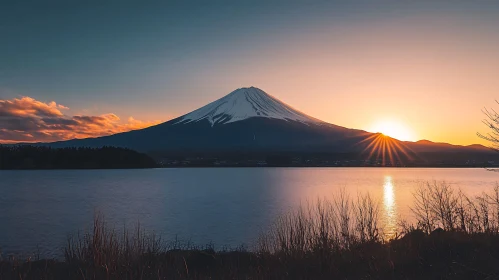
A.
x: 437, y: 205
x: 327, y: 226
x: 366, y: 213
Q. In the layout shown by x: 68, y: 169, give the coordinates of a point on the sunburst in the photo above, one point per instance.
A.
x: 385, y: 149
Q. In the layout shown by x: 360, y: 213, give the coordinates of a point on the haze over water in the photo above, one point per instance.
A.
x: 226, y: 206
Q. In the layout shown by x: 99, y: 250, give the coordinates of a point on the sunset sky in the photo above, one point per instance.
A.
x: 88, y: 68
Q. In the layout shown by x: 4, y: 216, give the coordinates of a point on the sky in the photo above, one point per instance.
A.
x: 90, y: 68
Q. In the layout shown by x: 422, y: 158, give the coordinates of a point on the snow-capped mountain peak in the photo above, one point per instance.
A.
x: 246, y: 103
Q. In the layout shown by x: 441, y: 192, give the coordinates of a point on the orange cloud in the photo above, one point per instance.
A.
x: 28, y: 120
x: 28, y: 106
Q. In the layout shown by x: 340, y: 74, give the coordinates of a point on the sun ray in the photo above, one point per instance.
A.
x: 385, y: 150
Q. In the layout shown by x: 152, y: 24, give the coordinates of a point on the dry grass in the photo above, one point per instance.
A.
x: 105, y: 247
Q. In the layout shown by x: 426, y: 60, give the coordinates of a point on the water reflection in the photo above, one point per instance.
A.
x: 221, y: 206
x: 390, y: 208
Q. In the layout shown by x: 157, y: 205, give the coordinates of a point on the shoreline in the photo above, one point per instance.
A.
x: 492, y: 168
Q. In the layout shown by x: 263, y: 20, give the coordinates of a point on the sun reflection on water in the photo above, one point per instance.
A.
x: 390, y: 208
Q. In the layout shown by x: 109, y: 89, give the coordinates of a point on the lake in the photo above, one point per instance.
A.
x: 223, y: 206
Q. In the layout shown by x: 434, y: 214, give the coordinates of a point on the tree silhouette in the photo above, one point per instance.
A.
x: 492, y: 122
x: 41, y: 157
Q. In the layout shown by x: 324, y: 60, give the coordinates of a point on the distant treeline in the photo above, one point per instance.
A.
x: 251, y: 158
x: 39, y: 157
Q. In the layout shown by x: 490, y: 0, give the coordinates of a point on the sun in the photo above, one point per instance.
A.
x: 393, y: 129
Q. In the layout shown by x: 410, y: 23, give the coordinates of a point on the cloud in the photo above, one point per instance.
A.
x: 28, y: 120
x: 26, y: 106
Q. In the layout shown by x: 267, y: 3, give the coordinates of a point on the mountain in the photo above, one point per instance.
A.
x: 245, y: 119
x: 245, y: 103
x: 429, y: 146
x: 249, y: 120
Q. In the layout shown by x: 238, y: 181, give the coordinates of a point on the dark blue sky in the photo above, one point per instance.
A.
x: 159, y: 59
x: 91, y: 51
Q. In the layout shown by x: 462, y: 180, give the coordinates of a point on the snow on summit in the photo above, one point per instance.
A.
x: 246, y: 103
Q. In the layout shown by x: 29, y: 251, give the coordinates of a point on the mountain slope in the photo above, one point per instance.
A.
x: 429, y: 146
x: 245, y: 119
x: 250, y: 120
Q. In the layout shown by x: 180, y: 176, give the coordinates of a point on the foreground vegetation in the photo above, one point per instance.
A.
x: 454, y: 237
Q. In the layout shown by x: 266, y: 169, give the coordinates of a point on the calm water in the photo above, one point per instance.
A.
x: 226, y: 206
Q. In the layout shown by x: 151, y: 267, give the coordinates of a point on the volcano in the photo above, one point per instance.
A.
x: 249, y: 120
